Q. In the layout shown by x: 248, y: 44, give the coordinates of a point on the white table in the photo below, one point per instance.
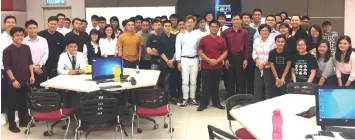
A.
x: 257, y: 118
x: 83, y: 83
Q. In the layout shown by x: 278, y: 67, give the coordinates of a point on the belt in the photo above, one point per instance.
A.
x: 236, y: 53
x: 190, y: 57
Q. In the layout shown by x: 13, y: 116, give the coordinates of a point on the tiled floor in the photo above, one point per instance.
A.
x: 188, y: 124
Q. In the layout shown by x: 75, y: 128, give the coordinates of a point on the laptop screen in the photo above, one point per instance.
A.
x: 336, y: 103
x: 102, y: 68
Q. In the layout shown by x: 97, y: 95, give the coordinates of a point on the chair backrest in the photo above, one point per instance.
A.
x: 98, y: 106
x: 216, y: 133
x: 43, y: 101
x: 150, y: 98
x: 238, y: 100
x: 302, y: 88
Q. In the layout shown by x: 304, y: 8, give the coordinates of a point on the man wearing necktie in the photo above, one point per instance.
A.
x: 72, y: 61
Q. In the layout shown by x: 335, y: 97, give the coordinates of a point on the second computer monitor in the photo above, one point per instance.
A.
x: 335, y: 106
x: 102, y: 68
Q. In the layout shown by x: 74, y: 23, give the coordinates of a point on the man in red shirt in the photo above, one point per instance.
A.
x: 213, y: 50
x: 237, y: 40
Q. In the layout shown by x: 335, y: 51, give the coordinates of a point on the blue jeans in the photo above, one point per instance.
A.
x: 129, y: 64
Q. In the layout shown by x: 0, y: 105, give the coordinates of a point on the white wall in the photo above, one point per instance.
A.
x: 20, y: 17
x: 34, y: 9
x: 349, y: 20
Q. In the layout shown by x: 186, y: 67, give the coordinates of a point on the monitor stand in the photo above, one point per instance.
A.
x: 337, y: 129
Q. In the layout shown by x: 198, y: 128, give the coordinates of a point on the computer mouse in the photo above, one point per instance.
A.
x: 133, y: 81
x: 312, y: 111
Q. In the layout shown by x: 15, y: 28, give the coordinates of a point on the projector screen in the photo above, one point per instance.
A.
x: 126, y: 12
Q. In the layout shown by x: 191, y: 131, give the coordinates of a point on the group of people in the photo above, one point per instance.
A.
x: 191, y: 52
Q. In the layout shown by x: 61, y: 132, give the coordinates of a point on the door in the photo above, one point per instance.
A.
x: 53, y: 11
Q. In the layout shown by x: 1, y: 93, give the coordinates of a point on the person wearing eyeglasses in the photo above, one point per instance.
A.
x: 270, y: 20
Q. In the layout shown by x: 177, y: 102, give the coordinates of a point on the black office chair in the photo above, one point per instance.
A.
x: 98, y: 111
x: 237, y: 101
x: 302, y: 88
x: 44, y: 105
x: 216, y: 133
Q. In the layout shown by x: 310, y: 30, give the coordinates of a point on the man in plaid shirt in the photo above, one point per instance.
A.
x: 329, y: 35
x: 250, y: 70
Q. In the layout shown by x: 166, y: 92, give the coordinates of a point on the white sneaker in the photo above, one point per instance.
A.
x: 3, y: 120
x: 17, y: 119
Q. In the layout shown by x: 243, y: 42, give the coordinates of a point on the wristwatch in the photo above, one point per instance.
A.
x: 13, y: 80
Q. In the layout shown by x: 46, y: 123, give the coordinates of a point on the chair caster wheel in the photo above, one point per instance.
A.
x: 29, y: 132
x: 48, y: 133
x: 171, y: 130
x: 139, y: 130
x: 165, y: 125
x: 64, y: 127
x: 156, y: 126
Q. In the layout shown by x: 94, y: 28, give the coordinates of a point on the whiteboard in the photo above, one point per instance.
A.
x: 126, y: 12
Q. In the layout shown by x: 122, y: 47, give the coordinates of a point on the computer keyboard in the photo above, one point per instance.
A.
x: 110, y: 87
x: 348, y: 135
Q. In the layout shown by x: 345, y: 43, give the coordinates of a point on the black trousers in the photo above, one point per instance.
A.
x: 4, y: 91
x: 17, y: 100
x: 144, y: 64
x: 169, y: 79
x: 225, y: 77
x: 40, y: 78
x: 235, y: 72
x: 262, y: 84
x: 249, y: 80
x: 278, y: 91
x: 210, y: 87
x: 330, y: 81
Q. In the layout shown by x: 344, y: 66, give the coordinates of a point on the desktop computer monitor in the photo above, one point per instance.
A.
x: 102, y: 68
x: 335, y: 106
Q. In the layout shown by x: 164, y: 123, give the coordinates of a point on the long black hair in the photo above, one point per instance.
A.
x: 114, y: 18
x: 338, y: 53
x: 327, y: 55
x: 113, y: 33
x: 319, y: 29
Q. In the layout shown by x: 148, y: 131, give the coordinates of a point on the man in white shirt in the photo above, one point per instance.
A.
x: 188, y: 60
x: 222, y: 21
x: 6, y: 40
x: 39, y: 51
x: 71, y: 62
x: 94, y: 24
x: 61, y: 21
x: 202, y: 30
x: 257, y: 19
x: 271, y: 21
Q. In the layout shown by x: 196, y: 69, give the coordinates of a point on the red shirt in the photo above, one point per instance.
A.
x: 237, y: 42
x: 213, y: 48
x: 17, y: 59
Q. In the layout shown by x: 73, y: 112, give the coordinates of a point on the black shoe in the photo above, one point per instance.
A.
x: 25, y: 123
x: 219, y: 106
x: 184, y: 104
x: 199, y: 109
x: 194, y: 102
x: 13, y: 128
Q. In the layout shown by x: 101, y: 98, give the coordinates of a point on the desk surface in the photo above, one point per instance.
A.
x: 83, y: 83
x: 257, y: 118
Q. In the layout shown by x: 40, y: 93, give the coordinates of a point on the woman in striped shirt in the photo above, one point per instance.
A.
x: 345, y: 62
x: 261, y: 48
